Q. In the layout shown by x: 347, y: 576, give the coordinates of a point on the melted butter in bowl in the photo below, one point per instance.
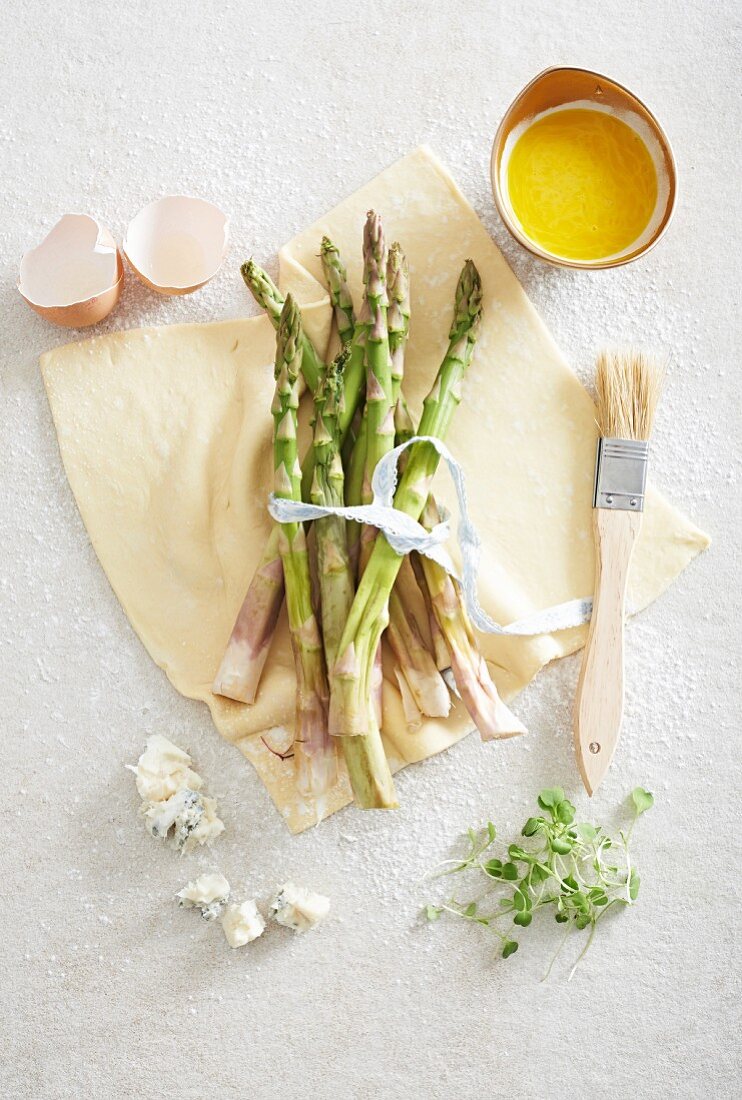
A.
x: 582, y: 183
x: 582, y: 172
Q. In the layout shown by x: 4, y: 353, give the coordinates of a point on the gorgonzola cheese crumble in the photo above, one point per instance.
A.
x: 174, y: 806
x: 209, y: 893
x: 298, y: 908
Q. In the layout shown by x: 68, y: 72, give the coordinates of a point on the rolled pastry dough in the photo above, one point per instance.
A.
x: 165, y: 435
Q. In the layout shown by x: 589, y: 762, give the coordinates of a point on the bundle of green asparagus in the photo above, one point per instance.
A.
x: 346, y: 587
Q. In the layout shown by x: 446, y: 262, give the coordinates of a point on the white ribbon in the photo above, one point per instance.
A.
x: 405, y: 534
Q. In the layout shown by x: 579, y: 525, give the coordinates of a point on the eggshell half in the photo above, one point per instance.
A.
x: 75, y: 276
x: 176, y: 244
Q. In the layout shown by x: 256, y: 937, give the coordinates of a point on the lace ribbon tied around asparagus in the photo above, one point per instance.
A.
x: 405, y: 534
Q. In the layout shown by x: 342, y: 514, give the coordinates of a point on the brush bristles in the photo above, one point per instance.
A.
x: 628, y: 387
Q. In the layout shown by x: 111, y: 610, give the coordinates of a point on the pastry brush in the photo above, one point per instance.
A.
x: 628, y: 388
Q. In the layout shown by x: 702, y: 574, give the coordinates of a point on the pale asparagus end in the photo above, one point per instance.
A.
x: 412, y: 713
x: 494, y: 720
x: 440, y: 649
x: 315, y: 761
x: 478, y: 692
x: 416, y: 664
x: 377, y: 687
x: 244, y: 659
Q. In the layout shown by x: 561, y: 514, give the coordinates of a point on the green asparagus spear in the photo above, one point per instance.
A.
x: 335, y: 576
x: 337, y: 281
x: 269, y: 297
x: 314, y: 753
x: 379, y: 409
x: 379, y: 397
x: 398, y: 314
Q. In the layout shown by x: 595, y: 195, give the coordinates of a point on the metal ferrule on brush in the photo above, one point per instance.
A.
x: 621, y: 474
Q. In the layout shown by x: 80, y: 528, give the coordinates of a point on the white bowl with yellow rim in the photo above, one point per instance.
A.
x: 583, y: 174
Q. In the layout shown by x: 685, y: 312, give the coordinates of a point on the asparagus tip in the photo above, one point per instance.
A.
x: 468, y: 308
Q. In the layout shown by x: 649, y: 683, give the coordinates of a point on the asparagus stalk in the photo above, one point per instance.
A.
x: 379, y: 409
x: 242, y: 665
x: 337, y: 281
x: 405, y: 429
x: 369, y: 613
x: 376, y: 437
x: 424, y: 690
x: 314, y: 753
x: 440, y: 649
x: 379, y: 396
x: 269, y: 297
x: 398, y: 314
x: 354, y: 489
x: 335, y: 576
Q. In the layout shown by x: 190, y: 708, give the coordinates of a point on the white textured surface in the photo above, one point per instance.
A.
x: 274, y: 112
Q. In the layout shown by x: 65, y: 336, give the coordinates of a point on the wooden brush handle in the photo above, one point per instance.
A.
x: 600, y: 689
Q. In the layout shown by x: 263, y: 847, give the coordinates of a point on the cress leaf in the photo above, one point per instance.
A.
x: 509, y: 948
x: 562, y: 845
x: 565, y: 812
x: 519, y: 901
x: 550, y: 797
x: 515, y: 852
x: 642, y: 800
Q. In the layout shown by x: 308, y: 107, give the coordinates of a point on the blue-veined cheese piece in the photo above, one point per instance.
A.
x: 163, y: 769
x: 298, y: 908
x: 209, y: 893
x: 174, y: 806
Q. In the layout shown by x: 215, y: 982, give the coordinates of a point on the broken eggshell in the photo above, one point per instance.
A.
x: 176, y: 244
x: 74, y: 277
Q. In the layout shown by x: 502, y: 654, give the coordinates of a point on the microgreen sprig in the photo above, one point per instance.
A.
x: 575, y: 868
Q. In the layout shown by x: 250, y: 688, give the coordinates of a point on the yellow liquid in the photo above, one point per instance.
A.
x: 582, y: 184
